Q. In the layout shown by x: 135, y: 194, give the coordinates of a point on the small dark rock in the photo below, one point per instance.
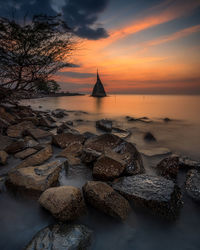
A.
x: 149, y: 137
x: 105, y: 125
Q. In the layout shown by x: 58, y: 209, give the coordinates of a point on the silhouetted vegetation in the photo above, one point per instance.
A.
x: 31, y: 53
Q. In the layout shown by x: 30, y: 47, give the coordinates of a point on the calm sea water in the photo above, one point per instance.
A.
x: 20, y: 218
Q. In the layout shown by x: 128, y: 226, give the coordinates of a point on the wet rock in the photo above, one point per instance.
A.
x: 38, y: 158
x: 72, y: 153
x: 35, y: 179
x: 89, y: 156
x: 70, y: 123
x: 63, y: 128
x: 17, y: 130
x: 37, y: 133
x: 104, y: 124
x: 30, y: 142
x: 88, y: 135
x: 141, y: 119
x: 65, y: 139
x: 5, y: 141
x: 155, y: 151
x: 66, y: 203
x: 43, y: 121
x: 108, y: 168
x: 32, y: 119
x: 166, y: 119
x: 101, y: 196
x: 193, y: 184
x: 25, y: 153
x: 62, y: 237
x: 3, y: 157
x: 168, y: 167
x: 16, y: 146
x: 50, y: 118
x: 122, y: 133
x: 149, y: 137
x: 157, y: 194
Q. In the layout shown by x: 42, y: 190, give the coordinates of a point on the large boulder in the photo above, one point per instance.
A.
x: 3, y: 157
x: 38, y: 158
x: 61, y: 237
x: 38, y: 133
x: 17, y: 130
x: 108, y: 168
x: 168, y: 167
x: 65, y: 203
x: 35, y: 179
x: 159, y: 195
x: 101, y: 196
x: 65, y: 139
x: 193, y: 184
x: 104, y: 124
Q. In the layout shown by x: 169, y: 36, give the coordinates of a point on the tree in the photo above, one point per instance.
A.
x: 34, y: 52
x: 48, y: 87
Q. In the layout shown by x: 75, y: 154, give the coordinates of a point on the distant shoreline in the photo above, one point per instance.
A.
x: 36, y: 96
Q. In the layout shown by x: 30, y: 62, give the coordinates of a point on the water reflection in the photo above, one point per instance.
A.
x: 98, y: 101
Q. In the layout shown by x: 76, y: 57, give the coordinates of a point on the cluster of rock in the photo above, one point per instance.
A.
x: 119, y: 178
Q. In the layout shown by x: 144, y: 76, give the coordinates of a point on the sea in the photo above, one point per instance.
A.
x: 21, y: 218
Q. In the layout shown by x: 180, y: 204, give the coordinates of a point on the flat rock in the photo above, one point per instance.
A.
x: 37, y: 133
x: 65, y: 139
x: 17, y: 130
x: 25, y: 153
x: 61, y: 237
x: 193, y: 184
x: 157, y: 194
x: 6, y: 115
x: 155, y: 151
x: 65, y: 203
x: 59, y: 113
x: 5, y: 141
x: 122, y: 133
x: 16, y: 146
x: 72, y: 153
x: 101, y: 196
x: 186, y: 162
x: 38, y: 158
x: 3, y: 157
x: 35, y: 178
x: 108, y: 168
x: 168, y: 167
x: 104, y: 124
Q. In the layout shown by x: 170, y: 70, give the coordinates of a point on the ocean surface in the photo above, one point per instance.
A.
x: 21, y: 218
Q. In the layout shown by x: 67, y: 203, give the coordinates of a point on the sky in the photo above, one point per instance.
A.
x: 139, y: 47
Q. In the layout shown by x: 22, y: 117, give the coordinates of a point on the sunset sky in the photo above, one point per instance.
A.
x: 146, y: 46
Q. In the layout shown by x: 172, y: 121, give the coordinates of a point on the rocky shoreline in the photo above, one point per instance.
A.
x: 43, y: 146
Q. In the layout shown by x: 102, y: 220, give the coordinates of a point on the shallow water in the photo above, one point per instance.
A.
x: 21, y: 218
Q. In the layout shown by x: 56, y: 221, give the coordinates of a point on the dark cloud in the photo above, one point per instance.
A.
x: 80, y: 15
x: 76, y: 74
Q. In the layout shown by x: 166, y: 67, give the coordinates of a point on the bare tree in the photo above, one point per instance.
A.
x: 33, y: 52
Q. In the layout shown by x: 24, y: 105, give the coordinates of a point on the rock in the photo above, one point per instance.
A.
x: 3, y: 157
x: 25, y: 153
x: 72, y: 153
x: 9, y: 118
x: 5, y: 141
x: 88, y: 135
x: 38, y: 158
x: 16, y: 146
x: 105, y: 125
x: 3, y: 125
x: 70, y: 123
x: 108, y: 168
x: 168, y: 167
x: 59, y: 113
x: 89, y: 156
x: 159, y: 195
x: 155, y: 151
x: 17, y: 130
x: 30, y: 142
x: 149, y: 137
x: 61, y: 237
x: 166, y: 119
x: 186, y: 162
x: 193, y: 184
x: 122, y: 133
x: 66, y: 203
x: 43, y: 121
x: 65, y: 139
x: 35, y: 179
x: 101, y: 196
x: 32, y: 119
x: 103, y: 143
x: 50, y: 118
x: 127, y: 151
x: 63, y: 128
x: 37, y: 133
x: 2, y: 181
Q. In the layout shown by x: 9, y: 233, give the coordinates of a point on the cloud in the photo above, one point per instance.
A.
x: 82, y: 16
